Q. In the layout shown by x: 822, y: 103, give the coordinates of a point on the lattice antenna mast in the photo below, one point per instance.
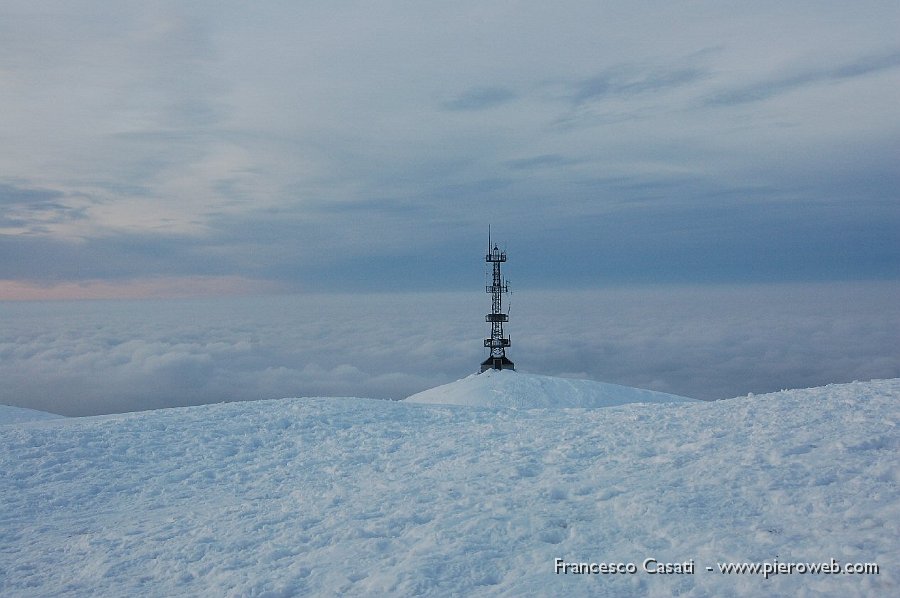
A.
x: 497, y: 343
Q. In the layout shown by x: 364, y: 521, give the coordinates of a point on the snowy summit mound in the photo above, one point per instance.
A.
x: 507, y: 388
x: 14, y: 415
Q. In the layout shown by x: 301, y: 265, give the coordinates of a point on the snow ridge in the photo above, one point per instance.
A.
x: 15, y: 415
x: 325, y: 496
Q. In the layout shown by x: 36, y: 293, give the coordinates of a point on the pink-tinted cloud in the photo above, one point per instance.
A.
x: 149, y: 288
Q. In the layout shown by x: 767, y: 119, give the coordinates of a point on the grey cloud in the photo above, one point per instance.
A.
x: 702, y: 341
x: 12, y: 195
x: 777, y: 86
x: 176, y: 58
x: 714, y: 341
x: 127, y: 355
x: 480, y: 98
x: 317, y: 161
x: 32, y: 209
x: 627, y: 229
x: 44, y: 258
x: 542, y: 161
x: 625, y: 93
x: 624, y: 81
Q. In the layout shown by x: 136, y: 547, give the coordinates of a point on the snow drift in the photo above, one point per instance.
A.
x: 378, y: 498
x: 507, y: 388
x: 14, y: 415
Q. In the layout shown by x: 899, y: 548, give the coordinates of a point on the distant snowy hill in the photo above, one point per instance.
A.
x: 506, y: 388
x: 12, y: 415
x: 363, y: 497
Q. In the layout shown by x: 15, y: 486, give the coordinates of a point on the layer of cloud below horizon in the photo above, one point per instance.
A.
x: 706, y: 342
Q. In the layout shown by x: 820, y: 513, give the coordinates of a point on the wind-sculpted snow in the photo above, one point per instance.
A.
x: 14, y: 415
x: 365, y: 497
x: 506, y: 388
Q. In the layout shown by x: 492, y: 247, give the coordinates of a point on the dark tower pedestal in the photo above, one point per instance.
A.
x: 497, y: 363
x: 497, y: 343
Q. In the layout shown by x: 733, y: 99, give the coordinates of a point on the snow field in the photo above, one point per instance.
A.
x: 17, y: 415
x: 363, y: 497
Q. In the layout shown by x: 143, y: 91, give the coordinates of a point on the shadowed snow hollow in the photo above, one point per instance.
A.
x: 507, y: 388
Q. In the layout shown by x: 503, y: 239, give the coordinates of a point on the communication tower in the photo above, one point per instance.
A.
x: 497, y: 343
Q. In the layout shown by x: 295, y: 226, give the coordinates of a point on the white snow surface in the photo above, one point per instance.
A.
x: 325, y: 496
x: 508, y: 388
x: 15, y: 415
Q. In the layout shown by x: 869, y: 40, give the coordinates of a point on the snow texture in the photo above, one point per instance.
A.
x: 15, y: 415
x: 507, y: 388
x: 325, y: 496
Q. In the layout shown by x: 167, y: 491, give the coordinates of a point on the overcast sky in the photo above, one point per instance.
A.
x: 159, y: 148
x: 697, y: 197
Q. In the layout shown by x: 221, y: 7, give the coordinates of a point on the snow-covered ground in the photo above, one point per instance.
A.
x: 506, y: 388
x: 15, y: 415
x: 328, y: 496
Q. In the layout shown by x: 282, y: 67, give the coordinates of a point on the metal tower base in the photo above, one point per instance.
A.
x: 497, y: 363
